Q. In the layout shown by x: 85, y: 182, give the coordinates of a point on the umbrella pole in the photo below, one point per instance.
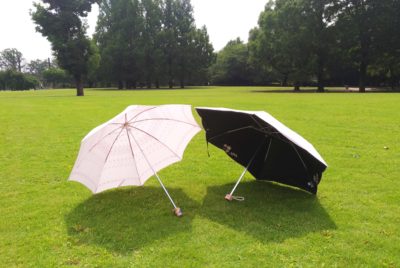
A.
x: 229, y: 197
x: 177, y: 210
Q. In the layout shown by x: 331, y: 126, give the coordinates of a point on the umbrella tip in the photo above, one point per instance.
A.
x: 178, y: 212
x: 228, y: 197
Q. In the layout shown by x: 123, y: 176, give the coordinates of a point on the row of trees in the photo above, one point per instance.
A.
x: 151, y: 42
x: 321, y: 42
x: 298, y: 42
x: 145, y: 42
x: 17, y: 74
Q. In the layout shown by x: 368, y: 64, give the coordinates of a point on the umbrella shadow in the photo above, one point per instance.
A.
x: 125, y: 220
x: 269, y: 213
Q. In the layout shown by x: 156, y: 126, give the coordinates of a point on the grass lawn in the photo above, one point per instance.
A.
x: 46, y: 221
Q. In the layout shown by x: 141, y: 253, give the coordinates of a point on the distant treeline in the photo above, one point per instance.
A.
x: 317, y: 43
x: 153, y: 43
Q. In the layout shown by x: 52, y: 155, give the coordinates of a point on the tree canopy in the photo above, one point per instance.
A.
x: 149, y: 42
x: 322, y: 42
x: 60, y: 21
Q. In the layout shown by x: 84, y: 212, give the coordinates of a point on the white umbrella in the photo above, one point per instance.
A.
x: 133, y: 146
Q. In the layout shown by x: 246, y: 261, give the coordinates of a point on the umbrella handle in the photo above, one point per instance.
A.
x: 178, y: 212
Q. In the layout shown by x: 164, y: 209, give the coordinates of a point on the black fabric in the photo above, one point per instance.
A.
x: 245, y: 137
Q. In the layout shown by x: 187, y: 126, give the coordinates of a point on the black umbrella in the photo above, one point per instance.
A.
x: 268, y: 149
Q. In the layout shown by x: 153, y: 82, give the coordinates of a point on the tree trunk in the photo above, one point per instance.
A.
x: 157, y: 84
x: 365, y: 41
x: 363, y: 76
x: 320, y: 78
x: 170, y: 83
x: 182, y: 82
x: 296, y: 86
x: 120, y: 85
x: 284, y: 81
x: 79, y: 86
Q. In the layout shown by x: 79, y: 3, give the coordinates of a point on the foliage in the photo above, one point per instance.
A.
x: 231, y: 66
x: 151, y: 42
x: 14, y: 80
x: 11, y: 59
x: 60, y: 21
x: 328, y: 41
x: 37, y: 67
x: 55, y: 76
x: 156, y: 42
x: 47, y: 221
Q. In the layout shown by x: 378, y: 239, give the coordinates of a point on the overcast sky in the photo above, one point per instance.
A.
x: 225, y: 20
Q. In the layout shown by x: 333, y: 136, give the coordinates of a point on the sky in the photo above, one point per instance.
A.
x: 225, y: 20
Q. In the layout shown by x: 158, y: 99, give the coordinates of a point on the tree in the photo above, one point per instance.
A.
x: 11, y: 59
x: 151, y: 41
x: 119, y: 35
x: 60, y: 21
x: 318, y: 18
x: 359, y: 24
x: 386, y: 49
x: 281, y: 41
x: 93, y: 64
x: 262, y: 71
x: 152, y: 51
x: 185, y: 31
x: 55, y: 76
x: 14, y: 80
x: 169, y: 40
x: 200, y: 57
x: 37, y: 67
x: 231, y: 66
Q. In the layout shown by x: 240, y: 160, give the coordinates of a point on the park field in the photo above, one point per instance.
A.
x: 353, y: 221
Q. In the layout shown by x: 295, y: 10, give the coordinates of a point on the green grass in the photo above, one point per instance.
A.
x: 46, y: 221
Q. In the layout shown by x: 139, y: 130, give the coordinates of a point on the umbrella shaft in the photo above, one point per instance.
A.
x: 245, y: 170
x: 165, y: 189
x: 241, y: 177
x: 155, y: 173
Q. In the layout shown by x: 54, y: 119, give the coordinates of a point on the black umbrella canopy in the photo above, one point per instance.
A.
x: 269, y: 149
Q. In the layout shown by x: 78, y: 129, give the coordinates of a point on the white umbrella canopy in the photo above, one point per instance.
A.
x: 131, y: 147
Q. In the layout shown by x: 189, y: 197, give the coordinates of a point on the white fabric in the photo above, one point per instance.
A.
x: 284, y: 130
x: 131, y: 147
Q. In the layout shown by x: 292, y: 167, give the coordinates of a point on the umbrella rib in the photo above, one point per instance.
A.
x: 130, y: 120
x: 252, y: 117
x: 155, y: 173
x: 232, y: 131
x: 112, y: 145
x: 151, y: 136
x: 169, y: 119
x: 269, y: 147
x: 301, y: 159
x: 108, y: 134
x: 133, y: 155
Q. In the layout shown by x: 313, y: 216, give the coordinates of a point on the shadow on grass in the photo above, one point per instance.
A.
x: 304, y: 91
x: 124, y: 220
x: 270, y: 212
x: 146, y: 89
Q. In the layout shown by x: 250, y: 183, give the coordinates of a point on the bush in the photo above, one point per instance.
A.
x: 13, y: 80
